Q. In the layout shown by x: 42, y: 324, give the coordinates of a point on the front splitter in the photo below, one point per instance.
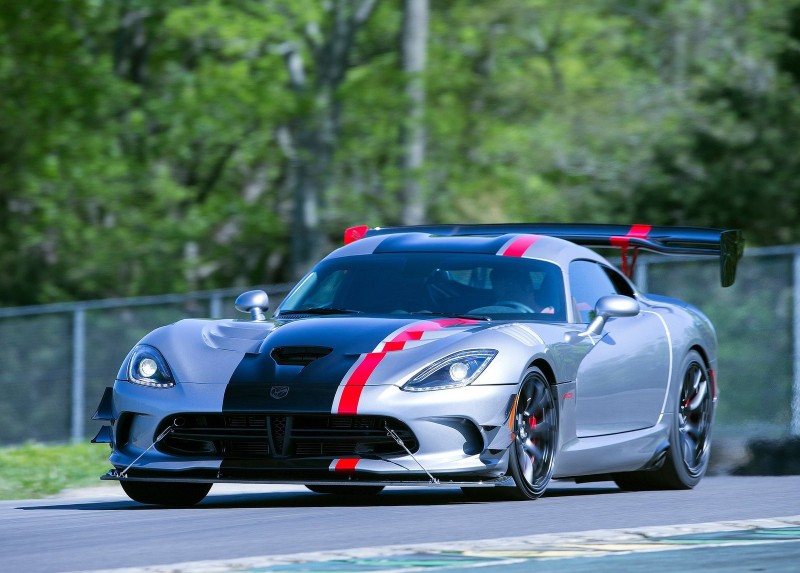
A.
x: 338, y: 482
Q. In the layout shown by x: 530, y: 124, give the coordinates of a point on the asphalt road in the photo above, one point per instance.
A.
x: 108, y: 531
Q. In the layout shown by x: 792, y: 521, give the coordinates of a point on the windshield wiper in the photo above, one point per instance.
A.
x: 455, y: 315
x: 321, y: 310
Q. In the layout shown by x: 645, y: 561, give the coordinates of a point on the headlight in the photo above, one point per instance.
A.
x: 453, y: 371
x: 148, y: 367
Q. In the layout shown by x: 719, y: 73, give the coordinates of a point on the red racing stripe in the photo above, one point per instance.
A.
x: 393, y: 346
x: 346, y: 465
x: 636, y: 232
x: 519, y: 245
x: 354, y: 384
x: 348, y: 403
x: 355, y: 233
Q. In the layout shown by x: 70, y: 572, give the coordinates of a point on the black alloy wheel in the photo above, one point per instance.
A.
x: 535, y: 437
x: 533, y: 451
x: 686, y: 461
x: 694, y: 418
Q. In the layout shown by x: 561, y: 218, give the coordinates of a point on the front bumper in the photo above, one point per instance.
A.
x: 462, y: 434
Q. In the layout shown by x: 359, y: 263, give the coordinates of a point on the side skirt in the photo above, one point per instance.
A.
x: 627, y: 451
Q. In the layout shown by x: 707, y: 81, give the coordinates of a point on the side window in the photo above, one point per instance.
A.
x: 620, y: 284
x: 588, y: 282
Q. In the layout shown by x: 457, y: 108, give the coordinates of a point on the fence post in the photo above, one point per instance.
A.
x: 215, y: 305
x: 78, y: 373
x: 796, y: 344
x: 642, y: 269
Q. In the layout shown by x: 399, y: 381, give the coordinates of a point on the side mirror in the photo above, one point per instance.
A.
x: 255, y: 302
x: 612, y: 306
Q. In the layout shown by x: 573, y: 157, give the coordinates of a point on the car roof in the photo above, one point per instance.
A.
x: 558, y: 251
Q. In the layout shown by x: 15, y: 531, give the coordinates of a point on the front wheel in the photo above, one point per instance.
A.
x: 169, y: 494
x: 535, y: 437
x: 533, y: 452
x: 686, y: 460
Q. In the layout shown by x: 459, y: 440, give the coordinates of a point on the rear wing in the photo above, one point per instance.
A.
x: 728, y: 245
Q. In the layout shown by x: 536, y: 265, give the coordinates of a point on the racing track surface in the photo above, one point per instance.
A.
x: 108, y: 531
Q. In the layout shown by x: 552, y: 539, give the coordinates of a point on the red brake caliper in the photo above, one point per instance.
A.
x: 532, y: 426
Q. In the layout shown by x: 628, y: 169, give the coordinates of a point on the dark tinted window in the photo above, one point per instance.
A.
x: 588, y: 282
x: 620, y: 283
x: 452, y: 283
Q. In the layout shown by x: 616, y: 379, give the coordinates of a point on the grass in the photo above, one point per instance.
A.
x: 37, y: 470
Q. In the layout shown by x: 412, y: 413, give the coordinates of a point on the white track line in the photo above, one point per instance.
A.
x: 506, y: 550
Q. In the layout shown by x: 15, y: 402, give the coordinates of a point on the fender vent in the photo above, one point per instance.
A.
x: 298, y: 355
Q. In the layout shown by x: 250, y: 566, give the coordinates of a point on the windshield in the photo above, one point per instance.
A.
x: 432, y: 283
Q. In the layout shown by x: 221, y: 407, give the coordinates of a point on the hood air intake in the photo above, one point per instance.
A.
x: 298, y: 355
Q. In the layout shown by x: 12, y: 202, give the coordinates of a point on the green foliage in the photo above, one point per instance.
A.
x: 35, y: 382
x: 755, y: 367
x: 34, y: 470
x: 149, y: 146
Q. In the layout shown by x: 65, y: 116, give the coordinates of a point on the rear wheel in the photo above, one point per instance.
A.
x: 346, y: 489
x: 170, y: 494
x: 686, y: 460
x: 535, y: 441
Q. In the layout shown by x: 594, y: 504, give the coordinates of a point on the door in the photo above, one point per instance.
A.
x: 622, y: 381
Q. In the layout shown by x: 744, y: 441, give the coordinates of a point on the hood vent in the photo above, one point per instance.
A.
x: 298, y: 355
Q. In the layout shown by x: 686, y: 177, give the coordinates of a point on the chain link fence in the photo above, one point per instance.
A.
x: 758, y: 327
x: 55, y: 360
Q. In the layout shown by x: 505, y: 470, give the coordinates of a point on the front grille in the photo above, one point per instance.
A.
x: 259, y: 436
x: 277, y: 427
x: 248, y: 449
x: 247, y: 422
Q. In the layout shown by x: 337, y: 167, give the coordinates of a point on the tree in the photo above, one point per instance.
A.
x: 314, y: 132
x: 150, y: 146
x: 415, y: 45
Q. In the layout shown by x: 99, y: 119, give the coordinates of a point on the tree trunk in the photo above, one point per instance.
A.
x: 315, y: 134
x: 415, y: 44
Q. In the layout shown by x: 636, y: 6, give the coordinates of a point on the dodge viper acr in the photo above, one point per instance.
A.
x: 488, y: 357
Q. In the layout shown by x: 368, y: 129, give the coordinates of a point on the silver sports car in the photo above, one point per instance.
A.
x: 490, y: 357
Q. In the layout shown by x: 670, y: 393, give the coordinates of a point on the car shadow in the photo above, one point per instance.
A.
x: 391, y: 498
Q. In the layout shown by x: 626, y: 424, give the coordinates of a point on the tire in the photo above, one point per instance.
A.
x: 346, y: 489
x: 532, y: 454
x: 686, y: 460
x: 169, y: 494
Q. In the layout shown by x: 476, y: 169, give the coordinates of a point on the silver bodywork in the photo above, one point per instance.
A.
x: 616, y: 390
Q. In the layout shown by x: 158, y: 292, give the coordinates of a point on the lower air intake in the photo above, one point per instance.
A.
x: 259, y: 436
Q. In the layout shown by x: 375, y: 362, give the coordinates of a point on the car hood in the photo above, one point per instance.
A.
x: 303, y: 363
x: 342, y: 334
x: 315, y: 358
x: 313, y: 354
